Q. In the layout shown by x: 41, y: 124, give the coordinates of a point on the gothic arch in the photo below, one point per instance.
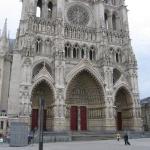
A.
x: 39, y: 67
x: 76, y: 50
x: 43, y: 87
x: 68, y: 49
x: 49, y: 82
x: 88, y: 68
x: 84, y: 50
x: 126, y: 88
x: 85, y: 95
x: 124, y: 108
x: 38, y: 42
x: 92, y: 53
x: 40, y: 61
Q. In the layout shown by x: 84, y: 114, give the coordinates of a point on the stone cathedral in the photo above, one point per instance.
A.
x: 77, y: 55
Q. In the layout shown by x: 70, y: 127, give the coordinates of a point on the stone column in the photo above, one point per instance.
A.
x: 110, y: 115
x: 110, y: 21
x: 59, y: 111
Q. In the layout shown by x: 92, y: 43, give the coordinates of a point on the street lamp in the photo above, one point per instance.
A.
x: 41, y: 117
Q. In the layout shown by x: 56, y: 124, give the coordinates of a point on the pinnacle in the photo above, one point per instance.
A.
x: 4, y: 32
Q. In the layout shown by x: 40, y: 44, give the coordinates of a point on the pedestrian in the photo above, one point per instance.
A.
x: 126, y: 139
x: 118, y: 137
x: 29, y: 139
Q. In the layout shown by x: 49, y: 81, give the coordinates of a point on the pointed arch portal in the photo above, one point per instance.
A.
x: 42, y: 89
x: 124, y: 109
x: 85, y: 101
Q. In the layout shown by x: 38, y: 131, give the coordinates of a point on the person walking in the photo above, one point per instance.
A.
x: 126, y: 139
x: 118, y: 137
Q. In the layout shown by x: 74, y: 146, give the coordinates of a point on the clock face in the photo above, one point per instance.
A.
x: 78, y: 15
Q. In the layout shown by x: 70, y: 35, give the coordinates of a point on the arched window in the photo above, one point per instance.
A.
x: 39, y: 8
x: 92, y: 53
x: 106, y: 20
x: 117, y: 57
x: 84, y: 51
x: 76, y: 51
x: 114, y: 22
x: 38, y: 46
x: 50, y: 9
x: 68, y: 50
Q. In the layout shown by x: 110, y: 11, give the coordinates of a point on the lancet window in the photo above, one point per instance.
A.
x: 38, y: 46
x: 39, y: 8
x: 76, y: 49
x: 50, y: 9
x: 68, y: 48
x: 92, y: 53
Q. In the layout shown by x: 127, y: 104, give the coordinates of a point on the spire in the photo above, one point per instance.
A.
x: 4, y: 32
x: 4, y: 42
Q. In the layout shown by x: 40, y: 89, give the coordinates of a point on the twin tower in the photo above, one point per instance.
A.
x: 77, y: 56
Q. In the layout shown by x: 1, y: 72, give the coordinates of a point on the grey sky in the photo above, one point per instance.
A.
x: 139, y: 21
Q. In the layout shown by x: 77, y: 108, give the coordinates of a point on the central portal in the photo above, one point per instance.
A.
x: 78, y: 118
x: 84, y: 102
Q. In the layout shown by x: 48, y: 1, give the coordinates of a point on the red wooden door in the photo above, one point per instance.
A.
x: 119, y: 121
x: 34, y: 118
x: 74, y: 118
x: 83, y: 118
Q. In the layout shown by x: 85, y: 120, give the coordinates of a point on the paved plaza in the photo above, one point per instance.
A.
x: 136, y: 144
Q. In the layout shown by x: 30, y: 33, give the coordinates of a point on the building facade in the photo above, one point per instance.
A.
x: 77, y: 55
x: 145, y: 107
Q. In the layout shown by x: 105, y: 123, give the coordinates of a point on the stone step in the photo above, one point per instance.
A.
x: 86, y: 136
x: 53, y: 137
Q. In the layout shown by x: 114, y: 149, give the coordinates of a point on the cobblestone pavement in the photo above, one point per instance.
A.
x: 138, y: 144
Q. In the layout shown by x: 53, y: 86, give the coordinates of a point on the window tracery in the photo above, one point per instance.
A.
x: 38, y: 46
x: 76, y: 49
x: 78, y: 15
x: 68, y: 48
x: 92, y: 53
x: 80, y: 52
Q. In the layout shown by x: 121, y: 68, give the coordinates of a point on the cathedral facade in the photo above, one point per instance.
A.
x: 77, y: 56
